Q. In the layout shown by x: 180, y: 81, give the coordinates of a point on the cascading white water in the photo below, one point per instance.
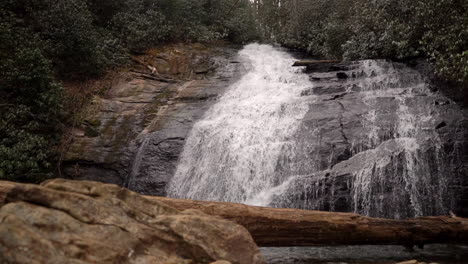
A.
x: 241, y: 150
x: 396, y: 168
x: 367, y: 143
x: 410, y: 172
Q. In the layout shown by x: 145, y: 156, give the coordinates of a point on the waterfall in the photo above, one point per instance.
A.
x: 242, y: 149
x: 397, y: 168
x: 137, y: 160
x: 407, y: 172
x: 368, y: 143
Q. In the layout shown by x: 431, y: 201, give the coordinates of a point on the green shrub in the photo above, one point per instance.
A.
x: 387, y: 29
x: 140, y: 29
x: 445, y: 36
x: 46, y: 40
x: 236, y: 23
x: 366, y: 29
x: 72, y: 40
x: 30, y: 106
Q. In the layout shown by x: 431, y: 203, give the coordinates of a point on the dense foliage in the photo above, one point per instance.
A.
x: 45, y: 41
x: 87, y: 37
x: 30, y: 106
x: 362, y: 29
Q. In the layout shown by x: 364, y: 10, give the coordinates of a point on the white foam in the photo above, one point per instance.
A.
x: 234, y: 152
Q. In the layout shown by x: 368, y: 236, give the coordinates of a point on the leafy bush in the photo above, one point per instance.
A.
x: 47, y: 40
x: 445, y: 36
x: 140, y: 29
x: 66, y: 28
x: 383, y: 29
x: 236, y: 23
x: 365, y: 29
x: 30, y: 105
x: 319, y: 28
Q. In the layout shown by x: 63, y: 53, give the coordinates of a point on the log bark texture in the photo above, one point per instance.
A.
x: 314, y: 62
x: 271, y: 227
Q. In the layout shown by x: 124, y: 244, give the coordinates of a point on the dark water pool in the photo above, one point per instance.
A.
x: 441, y: 254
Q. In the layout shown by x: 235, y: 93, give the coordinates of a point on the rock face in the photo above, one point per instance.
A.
x: 87, y: 222
x: 381, y: 142
x: 132, y: 135
x: 379, y: 138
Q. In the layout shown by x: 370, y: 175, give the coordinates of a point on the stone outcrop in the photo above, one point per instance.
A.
x: 379, y: 137
x: 133, y: 134
x: 64, y: 221
x: 381, y: 140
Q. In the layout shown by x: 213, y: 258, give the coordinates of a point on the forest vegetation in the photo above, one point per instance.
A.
x: 46, y: 42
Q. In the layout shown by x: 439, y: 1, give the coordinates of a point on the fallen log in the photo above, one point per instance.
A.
x: 313, y: 62
x: 271, y: 227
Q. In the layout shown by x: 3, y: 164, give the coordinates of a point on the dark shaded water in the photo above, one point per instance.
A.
x: 441, y: 254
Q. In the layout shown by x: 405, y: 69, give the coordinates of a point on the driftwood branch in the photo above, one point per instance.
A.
x: 314, y: 62
x: 291, y: 227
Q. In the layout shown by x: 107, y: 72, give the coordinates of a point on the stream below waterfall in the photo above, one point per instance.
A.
x: 440, y: 254
x: 371, y: 137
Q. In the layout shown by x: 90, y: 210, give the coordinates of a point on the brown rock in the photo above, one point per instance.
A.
x: 138, y: 128
x: 86, y: 222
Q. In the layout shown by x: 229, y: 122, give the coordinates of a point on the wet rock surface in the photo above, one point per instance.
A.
x: 64, y: 221
x: 381, y: 142
x: 380, y: 138
x: 133, y: 135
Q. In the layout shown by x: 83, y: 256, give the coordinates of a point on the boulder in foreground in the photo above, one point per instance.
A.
x: 64, y: 221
